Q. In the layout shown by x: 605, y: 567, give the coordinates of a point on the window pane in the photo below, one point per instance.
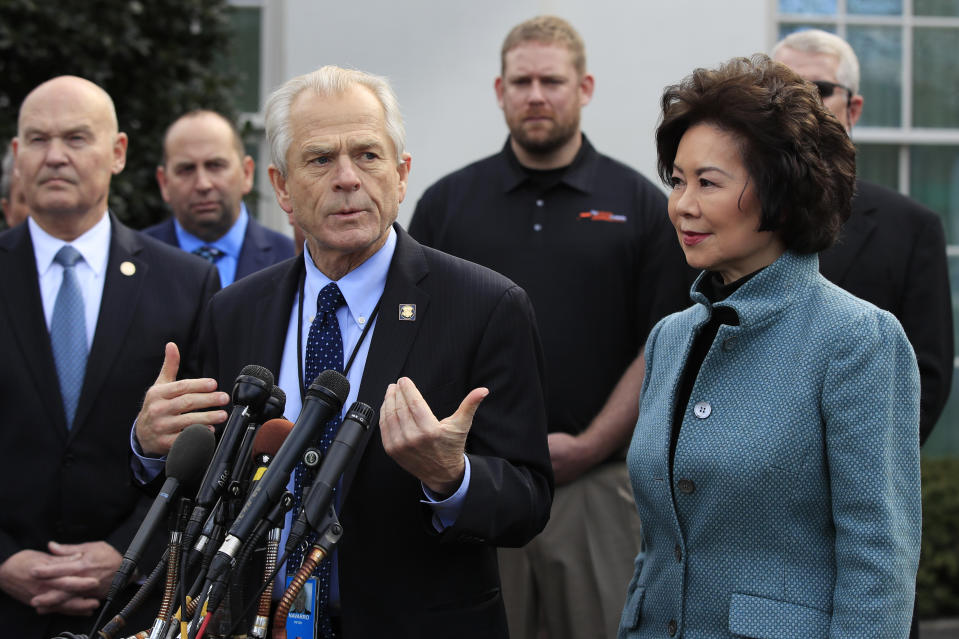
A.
x: 245, y: 54
x: 875, y: 7
x: 936, y: 76
x: 878, y: 163
x: 935, y: 7
x: 880, y: 61
x: 807, y: 6
x: 934, y: 181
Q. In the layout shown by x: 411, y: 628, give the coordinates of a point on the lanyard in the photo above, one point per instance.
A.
x: 299, y: 338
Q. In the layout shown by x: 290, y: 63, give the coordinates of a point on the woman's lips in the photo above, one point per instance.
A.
x: 691, y: 238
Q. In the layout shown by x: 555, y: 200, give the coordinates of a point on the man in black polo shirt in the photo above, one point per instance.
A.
x: 589, y: 240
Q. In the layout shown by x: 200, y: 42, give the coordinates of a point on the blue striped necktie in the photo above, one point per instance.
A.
x: 68, y: 332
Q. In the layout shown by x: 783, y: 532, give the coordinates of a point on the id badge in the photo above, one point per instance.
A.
x: 301, y: 620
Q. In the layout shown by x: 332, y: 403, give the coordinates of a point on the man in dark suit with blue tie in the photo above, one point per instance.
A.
x: 203, y: 178
x: 86, y: 306
x: 445, y: 350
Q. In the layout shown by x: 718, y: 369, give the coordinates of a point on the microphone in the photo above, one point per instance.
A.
x: 323, y: 401
x: 274, y: 406
x: 338, y: 456
x: 272, y: 409
x: 267, y: 444
x: 188, y: 458
x: 250, y: 392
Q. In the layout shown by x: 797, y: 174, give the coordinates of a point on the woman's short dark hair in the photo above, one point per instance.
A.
x: 797, y: 153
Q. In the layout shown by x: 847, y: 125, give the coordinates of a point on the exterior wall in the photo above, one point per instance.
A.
x: 442, y: 58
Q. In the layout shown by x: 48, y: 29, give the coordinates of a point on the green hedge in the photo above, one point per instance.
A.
x: 938, y: 580
x: 156, y: 58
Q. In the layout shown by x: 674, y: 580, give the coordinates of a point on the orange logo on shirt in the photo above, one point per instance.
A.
x: 601, y: 216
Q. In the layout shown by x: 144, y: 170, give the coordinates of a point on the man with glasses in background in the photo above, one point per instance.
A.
x: 892, y: 250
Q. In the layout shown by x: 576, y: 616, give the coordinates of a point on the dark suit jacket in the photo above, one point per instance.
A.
x: 472, y: 328
x: 892, y: 252
x: 262, y: 247
x: 74, y: 486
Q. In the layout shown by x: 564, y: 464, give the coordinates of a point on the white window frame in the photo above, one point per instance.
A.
x: 904, y: 135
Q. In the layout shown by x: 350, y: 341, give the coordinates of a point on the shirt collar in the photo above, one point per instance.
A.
x: 361, y: 287
x: 231, y: 243
x: 94, y: 246
x: 579, y: 174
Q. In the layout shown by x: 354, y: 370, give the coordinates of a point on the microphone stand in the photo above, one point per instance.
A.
x: 173, y: 573
x: 117, y: 623
x: 262, y: 620
x: 319, y: 551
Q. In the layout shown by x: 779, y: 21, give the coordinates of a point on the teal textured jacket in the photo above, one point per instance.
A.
x: 793, y: 506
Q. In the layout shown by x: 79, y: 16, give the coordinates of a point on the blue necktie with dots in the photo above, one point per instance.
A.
x: 210, y: 253
x: 68, y: 332
x: 324, y: 351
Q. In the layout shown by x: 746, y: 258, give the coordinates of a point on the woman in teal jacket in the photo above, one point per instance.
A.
x: 775, y: 463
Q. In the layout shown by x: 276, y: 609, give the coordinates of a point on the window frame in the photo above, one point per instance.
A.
x: 905, y: 135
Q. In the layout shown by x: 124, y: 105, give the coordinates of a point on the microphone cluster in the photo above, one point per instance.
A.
x: 230, y: 501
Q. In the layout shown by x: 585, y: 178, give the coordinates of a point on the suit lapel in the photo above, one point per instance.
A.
x: 20, y: 292
x: 122, y: 287
x: 272, y: 316
x: 392, y: 337
x: 168, y: 233
x: 836, y: 261
x: 253, y: 252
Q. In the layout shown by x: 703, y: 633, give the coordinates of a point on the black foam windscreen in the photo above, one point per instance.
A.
x: 334, y: 382
x: 260, y: 372
x: 189, y: 457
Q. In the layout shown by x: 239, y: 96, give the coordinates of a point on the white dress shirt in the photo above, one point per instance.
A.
x: 94, y: 246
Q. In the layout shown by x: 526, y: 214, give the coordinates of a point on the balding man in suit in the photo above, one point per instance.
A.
x: 204, y: 175
x: 86, y: 306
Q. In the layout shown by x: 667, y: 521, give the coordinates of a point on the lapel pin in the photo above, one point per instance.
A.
x: 127, y: 268
x: 408, y: 312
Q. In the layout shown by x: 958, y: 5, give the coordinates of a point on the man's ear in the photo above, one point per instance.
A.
x: 854, y: 109
x: 119, y: 153
x: 403, y: 168
x: 161, y: 182
x: 248, y: 167
x: 278, y: 180
x: 586, y: 86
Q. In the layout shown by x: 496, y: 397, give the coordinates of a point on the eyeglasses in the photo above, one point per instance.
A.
x: 826, y: 89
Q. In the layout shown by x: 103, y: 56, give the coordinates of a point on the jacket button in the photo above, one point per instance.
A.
x: 671, y: 627
x: 702, y: 410
x: 729, y: 343
x: 678, y: 552
x: 686, y: 486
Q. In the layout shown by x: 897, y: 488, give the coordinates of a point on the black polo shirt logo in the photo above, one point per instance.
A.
x: 601, y: 216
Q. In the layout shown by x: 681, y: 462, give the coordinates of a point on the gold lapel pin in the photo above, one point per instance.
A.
x: 408, y: 312
x: 128, y: 268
